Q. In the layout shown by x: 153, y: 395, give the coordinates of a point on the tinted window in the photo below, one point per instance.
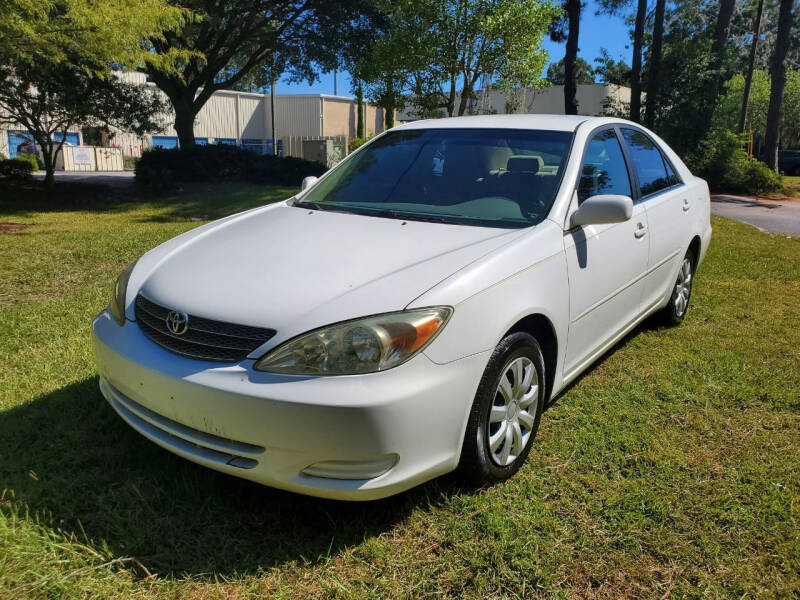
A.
x: 671, y: 176
x: 485, y: 177
x: 648, y: 162
x: 604, y: 170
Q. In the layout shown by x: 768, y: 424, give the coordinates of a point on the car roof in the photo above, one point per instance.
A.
x: 546, y: 122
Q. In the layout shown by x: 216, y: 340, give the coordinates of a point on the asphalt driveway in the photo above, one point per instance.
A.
x: 772, y: 216
x: 112, y: 178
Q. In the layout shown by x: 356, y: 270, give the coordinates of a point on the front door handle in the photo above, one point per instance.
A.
x: 640, y: 231
x: 686, y: 205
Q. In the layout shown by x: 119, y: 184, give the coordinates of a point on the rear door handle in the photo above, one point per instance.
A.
x: 686, y: 205
x: 640, y: 231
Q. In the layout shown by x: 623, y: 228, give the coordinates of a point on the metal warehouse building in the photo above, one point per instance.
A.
x: 243, y: 119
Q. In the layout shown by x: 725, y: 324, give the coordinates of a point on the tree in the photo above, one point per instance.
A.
x: 778, y: 74
x: 359, y: 110
x: 715, y: 74
x: 99, y: 31
x: 437, y: 51
x: 654, y: 80
x: 636, y: 68
x: 751, y: 66
x: 634, y: 78
x: 612, y: 71
x: 226, y: 43
x: 567, y: 27
x: 49, y: 99
x: 728, y: 111
x: 583, y: 72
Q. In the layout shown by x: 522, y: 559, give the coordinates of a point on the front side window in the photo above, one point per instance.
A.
x: 603, y: 170
x: 649, y: 163
x: 483, y: 177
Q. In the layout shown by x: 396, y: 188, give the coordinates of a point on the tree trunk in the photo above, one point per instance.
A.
x: 636, y: 68
x: 748, y: 79
x: 184, y: 125
x: 49, y: 167
x: 359, y: 111
x: 722, y: 32
x: 654, y: 66
x: 778, y: 73
x: 389, y: 110
x: 573, y: 8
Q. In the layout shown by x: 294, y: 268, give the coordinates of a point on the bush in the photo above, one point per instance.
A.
x: 161, y: 169
x: 129, y: 163
x: 722, y: 161
x: 31, y: 159
x: 2, y: 156
x: 16, y: 168
x: 357, y: 143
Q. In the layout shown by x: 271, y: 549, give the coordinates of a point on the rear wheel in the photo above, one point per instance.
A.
x: 506, y: 411
x: 675, y: 310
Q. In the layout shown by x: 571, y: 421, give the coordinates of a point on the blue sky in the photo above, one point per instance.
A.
x: 596, y: 32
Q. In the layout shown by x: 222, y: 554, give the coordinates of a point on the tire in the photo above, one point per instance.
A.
x: 675, y: 310
x: 480, y: 463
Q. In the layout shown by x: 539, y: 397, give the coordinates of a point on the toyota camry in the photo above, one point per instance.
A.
x: 409, y: 313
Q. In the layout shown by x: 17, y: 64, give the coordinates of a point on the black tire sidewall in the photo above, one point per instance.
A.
x: 476, y: 461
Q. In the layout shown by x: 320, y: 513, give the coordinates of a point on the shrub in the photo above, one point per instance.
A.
x: 2, y: 156
x: 161, y: 169
x: 129, y: 163
x: 722, y: 161
x: 357, y: 143
x: 29, y: 158
x: 16, y: 168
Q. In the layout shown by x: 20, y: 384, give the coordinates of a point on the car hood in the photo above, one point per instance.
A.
x: 293, y: 269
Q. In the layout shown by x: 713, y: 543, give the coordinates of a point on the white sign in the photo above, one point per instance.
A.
x: 81, y: 156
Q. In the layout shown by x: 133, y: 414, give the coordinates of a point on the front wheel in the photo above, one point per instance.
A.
x: 675, y: 310
x: 505, y: 412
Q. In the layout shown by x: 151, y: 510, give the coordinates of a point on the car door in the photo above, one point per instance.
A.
x: 606, y: 263
x: 668, y: 205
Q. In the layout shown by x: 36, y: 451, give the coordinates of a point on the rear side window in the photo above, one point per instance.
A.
x: 603, y: 170
x: 651, y: 168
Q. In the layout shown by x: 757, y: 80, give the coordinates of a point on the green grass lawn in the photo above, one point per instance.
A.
x: 670, y: 470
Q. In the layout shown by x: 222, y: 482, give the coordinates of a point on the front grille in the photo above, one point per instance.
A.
x: 205, y: 339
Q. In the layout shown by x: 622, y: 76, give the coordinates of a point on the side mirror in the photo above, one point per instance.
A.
x: 308, y: 182
x: 603, y: 208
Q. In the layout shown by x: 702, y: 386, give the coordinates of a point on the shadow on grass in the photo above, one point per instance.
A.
x: 201, y: 202
x: 75, y: 465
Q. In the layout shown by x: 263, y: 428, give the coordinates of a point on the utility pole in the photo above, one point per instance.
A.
x: 272, y: 112
x: 335, y: 84
x: 749, y: 77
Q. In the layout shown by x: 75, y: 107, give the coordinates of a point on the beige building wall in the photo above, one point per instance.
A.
x: 338, y: 117
x: 592, y: 100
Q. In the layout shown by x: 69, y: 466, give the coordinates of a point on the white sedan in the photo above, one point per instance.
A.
x: 412, y: 311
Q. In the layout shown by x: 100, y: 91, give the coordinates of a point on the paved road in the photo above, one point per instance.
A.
x: 114, y: 178
x: 770, y: 216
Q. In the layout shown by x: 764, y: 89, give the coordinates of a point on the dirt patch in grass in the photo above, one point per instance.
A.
x: 6, y: 227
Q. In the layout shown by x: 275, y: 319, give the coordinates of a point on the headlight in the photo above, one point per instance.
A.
x: 360, y: 346
x: 118, y: 294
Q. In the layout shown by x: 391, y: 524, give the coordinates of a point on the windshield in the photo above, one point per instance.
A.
x: 484, y: 177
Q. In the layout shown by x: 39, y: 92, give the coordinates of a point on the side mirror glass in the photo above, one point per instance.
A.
x: 308, y: 182
x: 603, y: 208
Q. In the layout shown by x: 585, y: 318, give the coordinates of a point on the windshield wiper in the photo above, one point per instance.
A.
x: 393, y: 214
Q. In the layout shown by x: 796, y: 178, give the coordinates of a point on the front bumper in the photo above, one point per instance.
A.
x: 270, y: 428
